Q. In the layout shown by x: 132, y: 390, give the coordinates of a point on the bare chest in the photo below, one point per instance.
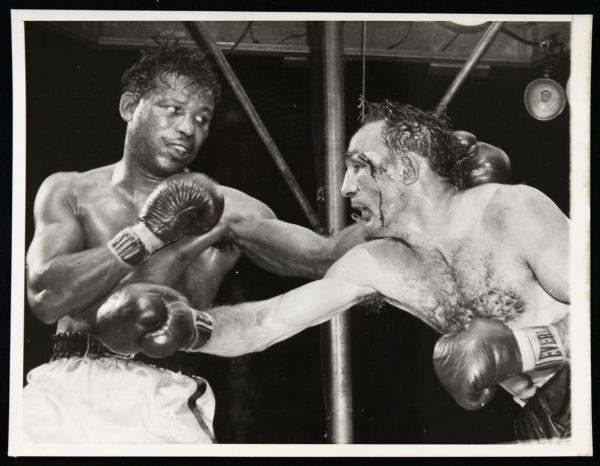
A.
x: 474, y: 281
x: 185, y: 264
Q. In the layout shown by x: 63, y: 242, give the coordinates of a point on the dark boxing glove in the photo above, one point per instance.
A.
x: 153, y: 319
x: 184, y: 203
x: 483, y: 162
x: 470, y: 363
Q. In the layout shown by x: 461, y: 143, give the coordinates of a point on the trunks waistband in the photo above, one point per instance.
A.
x: 80, y: 344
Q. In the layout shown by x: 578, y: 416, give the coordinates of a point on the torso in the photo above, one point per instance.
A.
x: 104, y: 209
x: 470, y: 276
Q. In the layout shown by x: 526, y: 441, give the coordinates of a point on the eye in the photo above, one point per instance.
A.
x: 202, y: 120
x: 356, y: 165
x: 172, y: 109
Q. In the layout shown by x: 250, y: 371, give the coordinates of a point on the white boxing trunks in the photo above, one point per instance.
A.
x: 115, y: 400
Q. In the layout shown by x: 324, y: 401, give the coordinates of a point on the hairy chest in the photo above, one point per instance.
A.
x: 473, y: 281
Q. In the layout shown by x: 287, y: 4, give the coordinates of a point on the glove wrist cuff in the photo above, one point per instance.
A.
x: 128, y: 248
x: 132, y: 245
x: 151, y: 242
x: 203, y: 328
x: 541, y: 347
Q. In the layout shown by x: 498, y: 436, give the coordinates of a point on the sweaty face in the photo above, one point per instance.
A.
x: 373, y: 181
x: 170, y: 124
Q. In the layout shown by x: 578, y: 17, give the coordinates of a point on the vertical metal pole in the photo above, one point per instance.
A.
x: 337, y: 331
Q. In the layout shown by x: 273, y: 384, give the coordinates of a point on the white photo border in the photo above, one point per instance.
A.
x: 580, y: 443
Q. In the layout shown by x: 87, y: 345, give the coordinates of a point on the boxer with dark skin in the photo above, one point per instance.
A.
x: 486, y: 267
x: 168, y: 102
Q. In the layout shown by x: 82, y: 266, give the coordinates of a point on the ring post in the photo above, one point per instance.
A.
x: 336, y: 333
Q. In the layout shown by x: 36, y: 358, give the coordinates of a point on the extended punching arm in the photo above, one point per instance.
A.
x: 292, y: 250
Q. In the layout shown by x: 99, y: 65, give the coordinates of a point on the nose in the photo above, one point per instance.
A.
x: 349, y: 186
x: 185, y: 125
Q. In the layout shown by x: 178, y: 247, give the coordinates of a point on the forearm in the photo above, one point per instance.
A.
x: 250, y: 327
x: 168, y: 265
x: 292, y: 250
x: 71, y: 282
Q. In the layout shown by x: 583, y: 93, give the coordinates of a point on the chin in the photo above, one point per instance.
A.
x: 171, y: 168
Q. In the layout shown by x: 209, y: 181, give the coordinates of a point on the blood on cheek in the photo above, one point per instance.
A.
x: 370, y: 178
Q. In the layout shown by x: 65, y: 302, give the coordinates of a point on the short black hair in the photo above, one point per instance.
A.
x: 429, y: 134
x: 170, y: 58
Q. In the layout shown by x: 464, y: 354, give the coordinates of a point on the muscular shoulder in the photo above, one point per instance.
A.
x: 65, y: 187
x: 75, y: 181
x: 238, y: 203
x: 523, y: 212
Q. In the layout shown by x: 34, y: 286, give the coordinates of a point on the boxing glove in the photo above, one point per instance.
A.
x: 156, y: 320
x: 482, y: 163
x: 188, y: 203
x: 470, y: 363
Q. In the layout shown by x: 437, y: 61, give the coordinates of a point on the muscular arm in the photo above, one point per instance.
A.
x: 292, y: 250
x: 250, y: 327
x: 62, y: 275
x: 540, y: 234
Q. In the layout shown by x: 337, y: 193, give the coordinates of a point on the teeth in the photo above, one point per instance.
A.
x: 180, y: 149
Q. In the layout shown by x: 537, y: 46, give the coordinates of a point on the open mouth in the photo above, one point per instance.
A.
x: 361, y: 214
x: 179, y: 151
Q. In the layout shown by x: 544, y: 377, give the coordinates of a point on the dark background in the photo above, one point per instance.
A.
x: 275, y: 396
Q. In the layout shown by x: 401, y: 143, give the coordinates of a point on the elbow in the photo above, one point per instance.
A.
x: 42, y: 301
x: 42, y: 311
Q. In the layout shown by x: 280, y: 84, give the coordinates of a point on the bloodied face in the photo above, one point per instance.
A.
x: 373, y: 179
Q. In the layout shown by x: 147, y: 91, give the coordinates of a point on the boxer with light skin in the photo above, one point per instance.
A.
x: 145, y: 218
x: 487, y: 267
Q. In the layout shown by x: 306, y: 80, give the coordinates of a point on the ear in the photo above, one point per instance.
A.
x: 410, y: 168
x: 127, y: 105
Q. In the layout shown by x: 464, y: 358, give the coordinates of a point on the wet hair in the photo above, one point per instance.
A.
x: 408, y: 128
x: 170, y: 58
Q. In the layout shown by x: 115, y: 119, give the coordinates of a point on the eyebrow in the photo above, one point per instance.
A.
x: 349, y: 154
x: 171, y: 99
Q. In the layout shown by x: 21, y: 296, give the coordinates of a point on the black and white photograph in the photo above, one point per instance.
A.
x: 244, y: 233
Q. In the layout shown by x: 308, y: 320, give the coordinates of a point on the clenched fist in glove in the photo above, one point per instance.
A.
x: 483, y: 162
x: 153, y: 319
x: 184, y: 203
x: 470, y: 363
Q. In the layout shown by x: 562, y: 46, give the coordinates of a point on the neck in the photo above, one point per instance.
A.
x: 426, y: 213
x: 134, y: 177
